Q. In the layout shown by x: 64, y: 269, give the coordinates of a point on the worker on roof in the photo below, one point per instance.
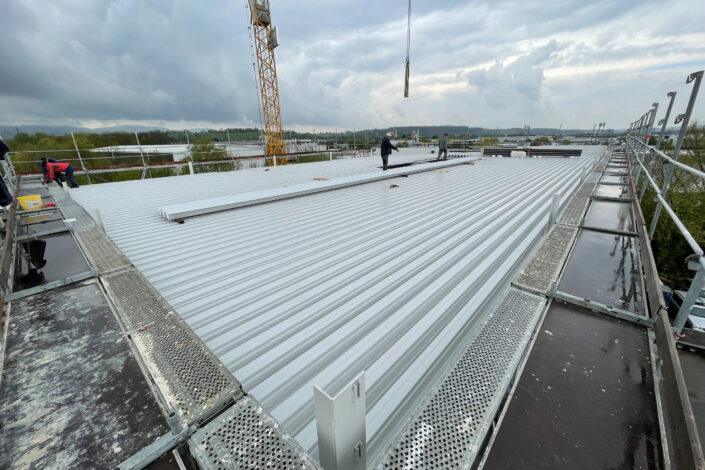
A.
x: 386, y: 150
x: 58, y: 171
x: 443, y: 147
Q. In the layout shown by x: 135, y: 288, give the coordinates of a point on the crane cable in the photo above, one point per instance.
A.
x: 408, y: 50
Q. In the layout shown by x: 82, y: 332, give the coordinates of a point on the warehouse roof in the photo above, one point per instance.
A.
x: 383, y: 277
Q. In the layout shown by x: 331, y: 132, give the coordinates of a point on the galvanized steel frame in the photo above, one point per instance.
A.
x: 698, y: 282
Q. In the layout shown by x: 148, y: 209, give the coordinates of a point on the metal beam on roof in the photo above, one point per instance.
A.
x: 218, y: 204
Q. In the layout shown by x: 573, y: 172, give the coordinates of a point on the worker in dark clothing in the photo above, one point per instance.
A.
x: 443, y: 147
x: 386, y: 150
x: 58, y: 171
x: 4, y: 150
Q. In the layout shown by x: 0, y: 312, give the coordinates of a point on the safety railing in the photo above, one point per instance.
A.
x: 646, y: 156
x: 94, y: 164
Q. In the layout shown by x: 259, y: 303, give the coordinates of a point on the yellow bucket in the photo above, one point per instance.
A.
x: 31, y: 202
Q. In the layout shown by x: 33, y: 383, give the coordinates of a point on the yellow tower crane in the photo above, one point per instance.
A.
x: 265, y: 38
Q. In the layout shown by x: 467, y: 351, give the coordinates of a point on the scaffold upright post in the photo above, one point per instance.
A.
x: 684, y: 119
x: 664, y: 124
x: 694, y: 292
x: 651, y: 119
x: 139, y: 146
x: 80, y: 159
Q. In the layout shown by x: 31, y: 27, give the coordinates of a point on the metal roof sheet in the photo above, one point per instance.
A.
x: 386, y: 277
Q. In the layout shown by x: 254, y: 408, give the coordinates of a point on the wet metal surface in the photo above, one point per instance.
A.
x: 33, y: 189
x: 40, y: 218
x: 585, y: 399
x: 614, y: 179
x: 42, y: 227
x: 693, y: 364
x: 603, y: 268
x: 608, y: 190
x: 72, y: 394
x: 63, y: 259
x: 609, y: 215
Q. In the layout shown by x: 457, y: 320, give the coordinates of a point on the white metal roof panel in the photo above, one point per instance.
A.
x: 315, y: 289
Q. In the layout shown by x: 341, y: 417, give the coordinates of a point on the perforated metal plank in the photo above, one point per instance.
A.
x: 454, y: 421
x: 593, y: 177
x: 57, y: 193
x: 245, y: 437
x: 101, y: 252
x: 573, y: 213
x: 585, y: 190
x: 80, y: 219
x: 191, y: 379
x: 546, y: 263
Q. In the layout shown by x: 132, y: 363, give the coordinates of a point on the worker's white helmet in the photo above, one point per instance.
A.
x: 389, y: 134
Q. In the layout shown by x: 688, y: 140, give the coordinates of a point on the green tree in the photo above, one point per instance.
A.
x: 541, y: 140
x: 489, y: 141
x: 687, y: 198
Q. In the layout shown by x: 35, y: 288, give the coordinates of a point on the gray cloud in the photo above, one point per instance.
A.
x: 341, y: 64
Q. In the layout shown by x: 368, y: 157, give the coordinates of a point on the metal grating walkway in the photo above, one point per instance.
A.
x: 453, y: 422
x: 593, y: 177
x: 546, y: 263
x: 573, y: 213
x: 70, y: 210
x: 193, y: 381
x: 102, y: 253
x: 244, y: 436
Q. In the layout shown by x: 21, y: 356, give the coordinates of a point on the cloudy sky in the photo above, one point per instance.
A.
x: 188, y: 63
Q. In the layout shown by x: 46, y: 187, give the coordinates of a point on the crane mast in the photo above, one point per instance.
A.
x: 265, y: 37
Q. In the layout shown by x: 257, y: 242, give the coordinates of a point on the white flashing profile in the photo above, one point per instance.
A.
x: 223, y: 203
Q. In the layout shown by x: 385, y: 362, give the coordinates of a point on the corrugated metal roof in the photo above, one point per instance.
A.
x: 317, y: 288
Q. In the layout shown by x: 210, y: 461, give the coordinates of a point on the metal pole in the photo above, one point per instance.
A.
x: 144, y: 164
x: 553, y: 214
x: 640, y: 126
x: 78, y: 152
x: 187, y: 139
x: 684, y: 119
x: 664, y: 124
x: 652, y: 117
x: 691, y: 297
